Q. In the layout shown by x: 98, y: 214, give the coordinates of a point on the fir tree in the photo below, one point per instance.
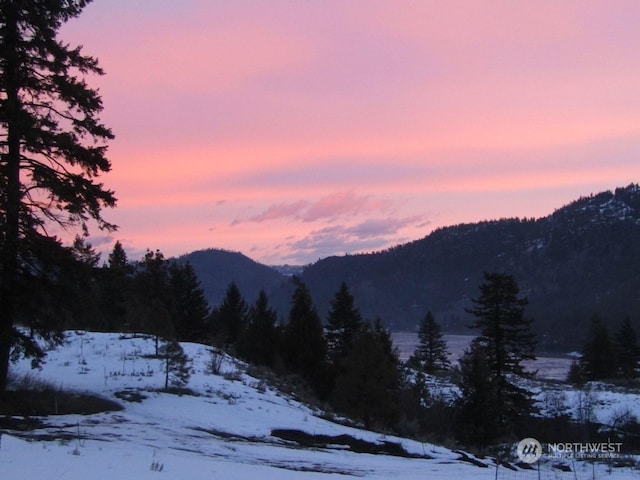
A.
x: 477, y: 409
x: 506, y: 339
x: 230, y: 318
x: 117, y: 260
x: 627, y: 350
x: 259, y: 344
x: 154, y: 300
x: 189, y: 308
x: 53, y: 150
x: 176, y: 365
x: 367, y: 386
x: 117, y: 289
x: 597, y: 359
x: 343, y: 323
x: 304, y: 344
x: 432, y: 353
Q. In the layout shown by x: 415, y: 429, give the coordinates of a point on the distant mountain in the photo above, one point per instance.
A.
x: 581, y: 260
x: 216, y: 269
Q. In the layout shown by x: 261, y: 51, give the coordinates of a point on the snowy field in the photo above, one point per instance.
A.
x: 225, y: 432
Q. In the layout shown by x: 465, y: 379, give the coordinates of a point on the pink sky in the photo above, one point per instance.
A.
x: 294, y: 130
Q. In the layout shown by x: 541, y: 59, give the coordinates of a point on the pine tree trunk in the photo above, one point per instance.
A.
x: 11, y: 164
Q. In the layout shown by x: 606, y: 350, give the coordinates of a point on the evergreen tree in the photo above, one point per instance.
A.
x: 118, y: 261
x: 53, y: 148
x: 507, y: 341
x: 627, y: 350
x: 86, y: 285
x: 304, y: 344
x: 176, y: 365
x: 431, y: 353
x: 259, y: 343
x: 117, y: 289
x: 153, y: 300
x: 477, y: 409
x: 367, y: 386
x: 597, y: 353
x: 343, y: 323
x: 230, y: 318
x: 190, y: 308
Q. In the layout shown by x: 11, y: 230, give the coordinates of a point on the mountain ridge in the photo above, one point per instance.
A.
x: 582, y: 259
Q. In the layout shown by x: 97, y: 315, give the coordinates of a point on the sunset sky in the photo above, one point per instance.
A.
x: 295, y: 130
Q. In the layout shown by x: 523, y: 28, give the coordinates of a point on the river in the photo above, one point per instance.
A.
x: 548, y: 367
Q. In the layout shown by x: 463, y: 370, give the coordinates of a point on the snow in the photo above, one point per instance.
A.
x: 223, y: 432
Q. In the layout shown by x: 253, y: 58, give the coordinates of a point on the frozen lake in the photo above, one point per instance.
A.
x: 551, y: 368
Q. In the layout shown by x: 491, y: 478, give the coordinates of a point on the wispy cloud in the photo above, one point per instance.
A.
x: 371, y: 234
x: 281, y: 210
x: 336, y: 205
x: 326, y: 141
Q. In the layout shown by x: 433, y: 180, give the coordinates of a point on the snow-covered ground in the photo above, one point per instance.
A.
x: 224, y: 432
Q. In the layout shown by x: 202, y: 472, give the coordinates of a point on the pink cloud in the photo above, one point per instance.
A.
x: 281, y: 210
x: 321, y: 123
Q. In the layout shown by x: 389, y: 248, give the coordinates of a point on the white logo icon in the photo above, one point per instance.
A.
x: 529, y: 450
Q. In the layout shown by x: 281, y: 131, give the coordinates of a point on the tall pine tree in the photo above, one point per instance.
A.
x: 627, y: 350
x: 229, y: 319
x: 597, y: 361
x: 506, y: 340
x: 189, y: 308
x: 343, y: 323
x: 304, y: 344
x: 260, y: 341
x: 53, y: 149
x: 431, y: 353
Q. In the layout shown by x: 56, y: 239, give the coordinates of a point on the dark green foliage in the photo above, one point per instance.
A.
x: 576, y: 376
x: 478, y: 407
x: 229, y: 319
x: 151, y: 307
x: 176, y: 365
x: 627, y: 351
x: 367, y: 386
x: 598, y: 361
x: 304, y: 346
x: 431, y: 353
x: 259, y: 343
x: 189, y: 308
x: 343, y: 323
x: 582, y: 258
x: 52, y: 148
x: 116, y: 290
x: 505, y: 332
x: 505, y: 340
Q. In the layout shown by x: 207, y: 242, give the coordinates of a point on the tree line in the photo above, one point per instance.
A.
x: 344, y: 360
x: 607, y: 356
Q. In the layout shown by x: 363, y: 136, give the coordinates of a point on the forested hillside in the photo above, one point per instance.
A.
x: 582, y: 259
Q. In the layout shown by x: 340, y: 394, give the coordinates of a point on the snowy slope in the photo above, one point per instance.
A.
x: 224, y: 432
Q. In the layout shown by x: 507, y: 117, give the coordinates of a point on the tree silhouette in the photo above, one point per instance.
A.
x: 230, y: 317
x: 431, y: 353
x: 176, y: 365
x: 506, y: 340
x: 304, y: 345
x: 259, y: 343
x: 477, y: 409
x: 189, y: 308
x: 343, y: 323
x: 367, y: 386
x: 52, y: 149
x: 597, y: 359
x: 627, y: 350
